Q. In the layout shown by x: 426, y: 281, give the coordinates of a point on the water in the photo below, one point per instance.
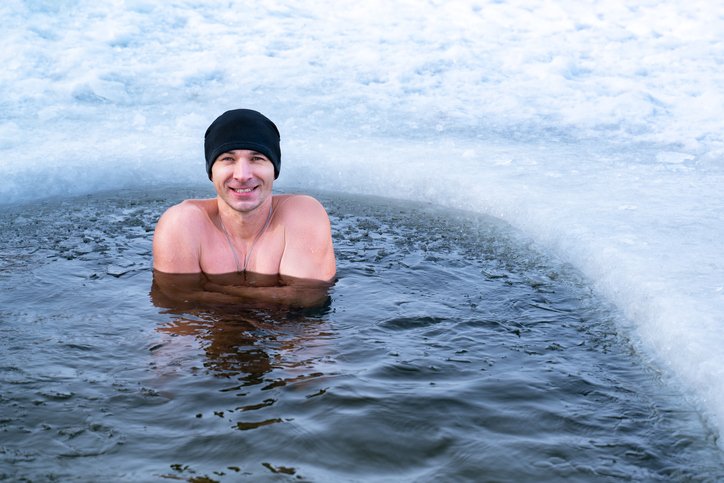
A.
x: 592, y: 127
x: 452, y: 348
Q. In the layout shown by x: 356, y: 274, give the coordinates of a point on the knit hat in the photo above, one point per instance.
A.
x: 242, y: 129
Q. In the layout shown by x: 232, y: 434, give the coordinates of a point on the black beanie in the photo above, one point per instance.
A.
x: 242, y: 129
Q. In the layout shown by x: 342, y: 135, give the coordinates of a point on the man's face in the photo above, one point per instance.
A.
x: 243, y: 179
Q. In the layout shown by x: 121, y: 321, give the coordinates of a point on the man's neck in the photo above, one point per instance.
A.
x: 244, y: 226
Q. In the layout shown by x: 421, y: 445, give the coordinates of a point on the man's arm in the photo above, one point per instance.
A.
x: 294, y: 293
x: 179, y: 291
x: 308, y: 250
x: 176, y: 243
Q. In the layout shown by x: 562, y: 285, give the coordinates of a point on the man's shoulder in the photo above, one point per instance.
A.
x: 186, y: 217
x: 179, y: 235
x: 191, y: 210
x: 298, y: 205
x: 300, y: 212
x: 302, y: 215
x: 308, y: 250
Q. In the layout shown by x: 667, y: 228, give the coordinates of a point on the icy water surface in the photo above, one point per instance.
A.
x: 450, y: 350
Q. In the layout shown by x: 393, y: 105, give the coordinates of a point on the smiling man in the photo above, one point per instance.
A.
x: 245, y: 231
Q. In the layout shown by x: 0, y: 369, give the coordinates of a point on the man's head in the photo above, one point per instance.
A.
x: 242, y: 129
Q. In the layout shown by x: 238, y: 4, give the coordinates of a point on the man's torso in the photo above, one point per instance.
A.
x: 216, y: 254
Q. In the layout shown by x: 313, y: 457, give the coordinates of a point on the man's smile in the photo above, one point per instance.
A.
x: 243, y: 190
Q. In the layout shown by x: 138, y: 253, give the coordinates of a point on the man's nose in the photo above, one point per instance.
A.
x: 242, y: 169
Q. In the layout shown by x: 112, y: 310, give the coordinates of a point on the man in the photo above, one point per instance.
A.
x: 245, y: 230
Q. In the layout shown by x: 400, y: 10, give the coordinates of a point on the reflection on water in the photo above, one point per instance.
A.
x: 257, y: 350
x: 229, y: 343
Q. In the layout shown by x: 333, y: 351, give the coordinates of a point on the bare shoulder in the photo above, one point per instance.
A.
x: 178, y: 234
x: 190, y: 211
x: 300, y: 208
x: 308, y: 249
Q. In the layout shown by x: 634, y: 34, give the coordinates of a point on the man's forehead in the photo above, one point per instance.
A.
x: 239, y: 152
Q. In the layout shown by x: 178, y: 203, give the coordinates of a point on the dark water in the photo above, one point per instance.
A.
x: 451, y: 350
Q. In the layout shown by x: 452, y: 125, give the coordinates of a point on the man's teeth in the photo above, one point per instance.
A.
x: 243, y: 190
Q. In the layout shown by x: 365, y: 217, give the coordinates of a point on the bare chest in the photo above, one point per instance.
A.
x: 220, y: 255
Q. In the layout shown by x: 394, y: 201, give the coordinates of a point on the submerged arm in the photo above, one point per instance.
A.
x: 173, y: 290
x: 178, y: 290
x: 309, y: 293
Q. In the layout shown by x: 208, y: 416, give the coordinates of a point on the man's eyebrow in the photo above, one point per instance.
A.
x: 231, y: 151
